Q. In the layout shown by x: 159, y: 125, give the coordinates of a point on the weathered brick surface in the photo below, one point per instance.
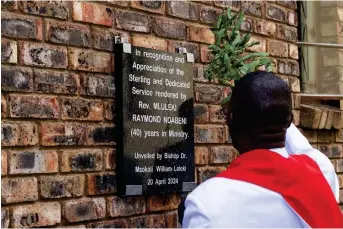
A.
x: 36, y: 215
x: 253, y: 8
x: 132, y: 21
x: 18, y: 134
x: 200, y: 34
x: 98, y: 85
x: 33, y: 161
x: 47, y: 81
x: 222, y: 154
x: 9, y: 5
x: 266, y: 27
x: 159, y: 203
x: 172, y: 220
x: 109, y: 107
x: 16, y: 190
x: 287, y: 33
x: 57, y: 9
x: 87, y: 60
x: 103, y: 39
x: 5, y: 217
x: 101, y: 183
x: 191, y: 48
x: 54, y: 134
x: 208, y: 172
x: 209, y: 15
x: 42, y: 55
x: 184, y: 10
x: 201, y: 113
x: 3, y: 106
x: 157, y: 7
x: 4, y: 164
x: 8, y: 51
x: 68, y: 33
x: 92, y: 13
x: 125, y: 206
x: 277, y: 48
x: 332, y: 151
x: 101, y: 135
x: 169, y: 29
x: 84, y: 209
x: 210, y: 134
x: 216, y: 115
x: 208, y: 93
x: 27, y: 106
x: 81, y: 109
x: 276, y: 13
x: 288, y: 67
x: 118, y: 223
x: 201, y: 155
x: 150, y: 42
x: 62, y: 186
x: 339, y: 136
x: 18, y: 26
x: 205, y: 55
x: 325, y: 136
x: 81, y: 160
x: 110, y: 159
x: 16, y: 79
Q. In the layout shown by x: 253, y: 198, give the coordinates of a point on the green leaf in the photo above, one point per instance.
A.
x: 229, y: 15
x: 220, y: 36
x: 225, y: 100
x: 269, y: 68
x: 254, y: 43
x: 240, y: 20
x: 220, y: 19
x: 251, y: 55
x: 215, y: 48
x: 265, y: 61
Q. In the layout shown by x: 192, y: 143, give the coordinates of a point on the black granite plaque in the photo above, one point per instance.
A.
x: 154, y: 119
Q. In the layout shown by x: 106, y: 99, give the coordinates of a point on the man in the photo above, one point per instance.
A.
x: 274, y: 182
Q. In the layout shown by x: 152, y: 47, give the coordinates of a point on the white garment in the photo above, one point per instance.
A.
x: 223, y: 203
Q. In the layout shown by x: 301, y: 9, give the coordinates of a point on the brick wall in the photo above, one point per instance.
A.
x: 58, y: 149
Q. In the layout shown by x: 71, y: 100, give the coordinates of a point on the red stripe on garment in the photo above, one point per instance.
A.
x: 298, y: 179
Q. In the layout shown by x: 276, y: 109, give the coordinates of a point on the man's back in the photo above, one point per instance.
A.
x: 225, y: 202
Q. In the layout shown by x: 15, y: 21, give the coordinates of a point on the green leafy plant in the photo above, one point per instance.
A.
x: 228, y: 61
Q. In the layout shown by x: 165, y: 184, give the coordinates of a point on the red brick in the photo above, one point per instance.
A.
x: 287, y: 33
x: 296, y: 117
x: 75, y: 226
x: 15, y: 190
x: 198, y: 71
x: 4, y: 165
x: 265, y: 27
x: 209, y: 15
x: 92, y: 13
x: 210, y: 134
x: 10, y: 6
x: 325, y: 136
x: 191, y: 48
x: 36, y: 215
x: 216, y: 115
x: 340, y: 180
x: 208, y: 172
x: 338, y: 120
x: 5, y: 217
x: 103, y: 39
x: 253, y: 8
x: 19, y: 26
x: 133, y: 21
x: 292, y: 18
x: 81, y: 109
x: 103, y: 134
x: 109, y: 107
x: 18, y: 134
x: 32, y: 161
x: 332, y: 151
x: 234, y: 5
x: 118, y: 223
x: 294, y: 84
x: 310, y: 116
x: 155, y: 221
x: 157, y: 7
x: 338, y: 164
x: 278, y: 48
x: 62, y: 186
x: 101, y: 183
x: 110, y: 159
x: 339, y: 136
x: 68, y: 33
x: 58, y: 133
x: 57, y: 9
x: 293, y: 51
x: 260, y: 47
x: 276, y: 13
x: 200, y: 34
x: 163, y: 203
x: 288, y: 67
x: 169, y: 28
x: 118, y: 3
x: 222, y: 154
x: 81, y: 160
x: 9, y: 51
x: 15, y: 78
x: 30, y: 106
x: 205, y: 54
x: 98, y: 85
x: 3, y: 106
x: 84, y: 209
x: 201, y: 155
x: 42, y: 55
x: 288, y: 3
x: 125, y: 206
x: 48, y: 81
x: 184, y: 10
x: 247, y: 25
x: 200, y: 113
x: 172, y: 220
x: 89, y: 60
x: 208, y: 93
x: 150, y: 42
